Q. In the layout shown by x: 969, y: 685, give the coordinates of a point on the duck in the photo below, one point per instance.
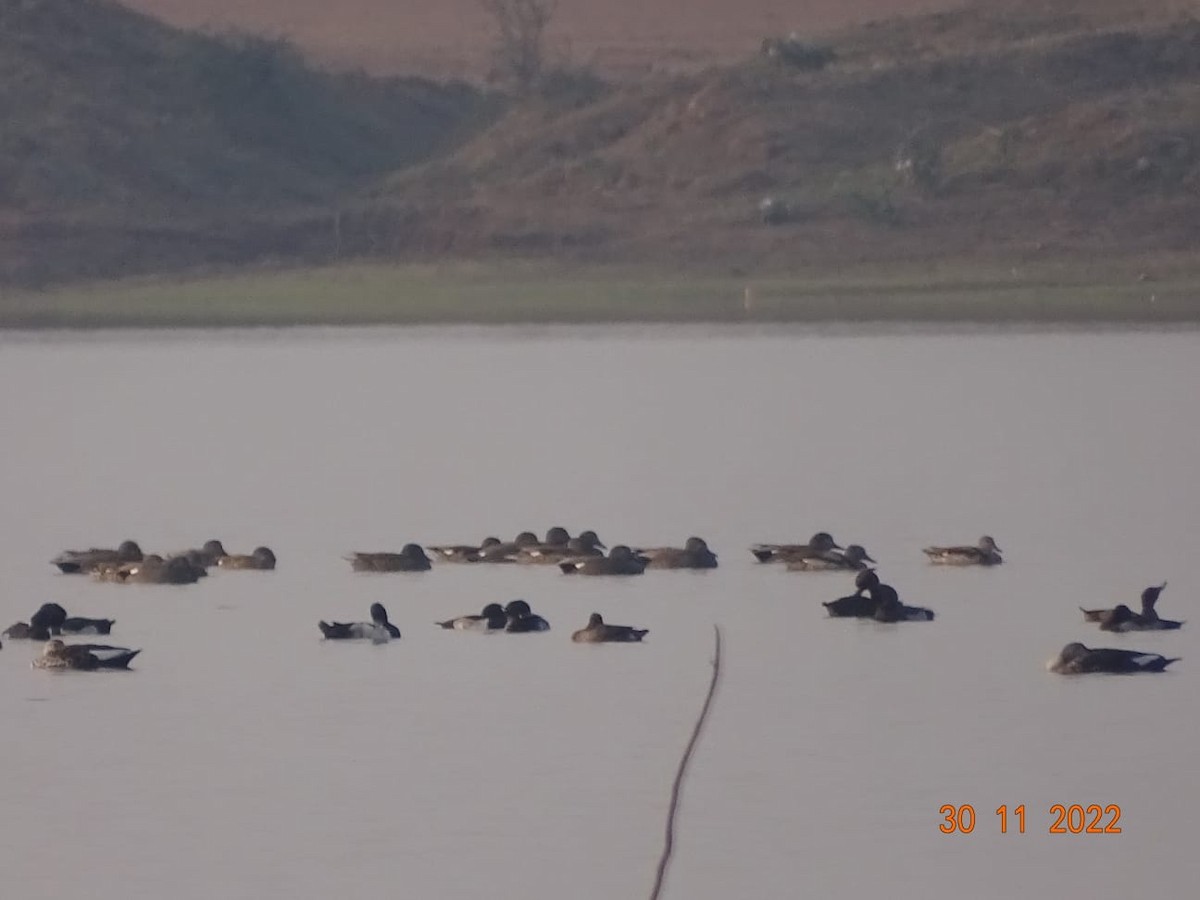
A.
x: 587, y: 544
x: 621, y: 560
x: 818, y: 545
x: 598, y: 631
x: 49, y: 616
x: 854, y: 558
x: 207, y: 555
x: 153, y: 570
x: 1149, y: 597
x: 694, y: 554
x: 260, y: 559
x: 522, y: 619
x: 379, y: 630
x: 411, y: 558
x: 80, y: 625
x: 888, y: 607
x: 462, y: 553
x: 23, y: 631
x: 506, y: 551
x: 859, y: 604
x: 1122, y: 618
x: 1076, y: 659
x: 86, y: 657
x: 985, y: 553
x: 492, y: 618
x: 74, y: 562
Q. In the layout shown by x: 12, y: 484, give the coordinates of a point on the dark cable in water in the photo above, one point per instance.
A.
x: 669, y: 842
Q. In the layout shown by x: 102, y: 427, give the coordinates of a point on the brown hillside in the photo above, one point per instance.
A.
x: 451, y: 38
x: 967, y: 133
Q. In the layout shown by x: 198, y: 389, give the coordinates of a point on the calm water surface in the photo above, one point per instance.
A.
x: 246, y: 758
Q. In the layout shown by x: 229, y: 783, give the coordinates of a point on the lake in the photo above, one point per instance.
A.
x: 244, y: 757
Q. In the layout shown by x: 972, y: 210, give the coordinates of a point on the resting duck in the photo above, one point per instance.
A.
x: 522, y: 619
x: 74, y: 562
x: 42, y: 625
x: 1149, y: 598
x: 587, y: 544
x: 153, y: 570
x: 80, y: 625
x: 50, y: 616
x: 506, y: 551
x: 985, y: 553
x: 819, y: 544
x: 598, y: 632
x: 493, y: 618
x: 23, y: 631
x: 853, y: 558
x: 207, y: 555
x: 1076, y: 659
x: 85, y: 657
x: 379, y: 630
x: 260, y: 559
x: 411, y: 558
x: 694, y: 554
x: 462, y: 553
x: 620, y: 561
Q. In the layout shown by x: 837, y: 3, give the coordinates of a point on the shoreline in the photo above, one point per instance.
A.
x: 368, y: 294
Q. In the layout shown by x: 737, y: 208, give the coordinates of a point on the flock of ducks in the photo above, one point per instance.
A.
x: 580, y: 555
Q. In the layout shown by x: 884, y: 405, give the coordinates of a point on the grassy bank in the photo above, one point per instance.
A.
x: 515, y: 293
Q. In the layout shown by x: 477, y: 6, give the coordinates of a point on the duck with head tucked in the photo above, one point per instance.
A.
x: 83, y: 657
x: 599, y: 632
x: 819, y: 545
x: 621, y: 560
x: 153, y: 570
x: 461, y: 553
x: 985, y: 553
x: 42, y: 625
x: 492, y: 618
x: 379, y: 630
x: 261, y: 559
x: 206, y: 556
x: 853, y: 558
x: 506, y: 551
x: 522, y: 619
x: 587, y: 544
x: 694, y: 554
x: 1076, y: 659
x: 74, y: 562
x: 411, y: 558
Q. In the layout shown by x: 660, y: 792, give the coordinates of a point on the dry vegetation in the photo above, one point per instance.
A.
x: 1005, y: 132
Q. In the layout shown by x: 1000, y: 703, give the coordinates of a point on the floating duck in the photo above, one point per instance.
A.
x: 985, y: 553
x: 85, y: 657
x: 598, y: 632
x: 1076, y: 659
x: 379, y: 630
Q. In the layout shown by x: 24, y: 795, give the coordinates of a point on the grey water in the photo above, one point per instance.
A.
x: 243, y: 757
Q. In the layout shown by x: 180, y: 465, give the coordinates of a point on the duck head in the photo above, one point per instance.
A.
x: 557, y: 536
x: 823, y: 542
x: 129, y: 551
x: 1150, y: 595
x: 856, y: 553
x: 591, y: 540
x: 526, y: 539
x: 518, y: 608
x: 265, y: 556
x: 988, y: 544
x: 378, y: 614
x: 866, y: 580
x: 695, y: 545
